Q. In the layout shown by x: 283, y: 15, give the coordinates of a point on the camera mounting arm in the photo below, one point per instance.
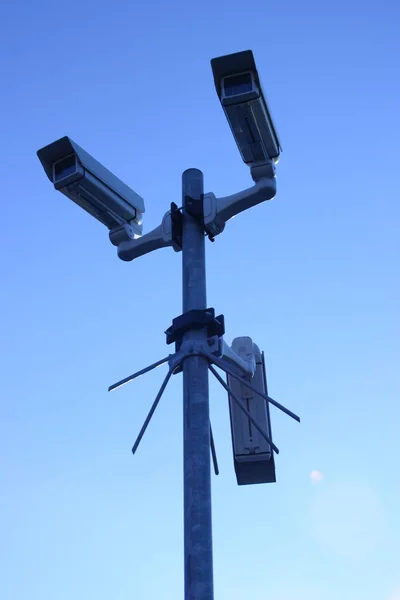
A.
x: 160, y: 237
x: 246, y: 367
x: 169, y: 233
x: 217, y: 211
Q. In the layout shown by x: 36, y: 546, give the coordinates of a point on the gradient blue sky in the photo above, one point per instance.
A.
x: 312, y: 276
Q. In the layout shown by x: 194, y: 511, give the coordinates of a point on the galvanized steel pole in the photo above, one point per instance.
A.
x: 196, y: 419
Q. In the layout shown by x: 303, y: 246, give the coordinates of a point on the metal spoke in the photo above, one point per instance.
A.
x: 138, y: 374
x: 213, y: 452
x: 151, y: 412
x: 221, y: 364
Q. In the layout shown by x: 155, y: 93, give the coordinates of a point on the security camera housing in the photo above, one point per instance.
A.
x: 86, y: 182
x: 240, y: 93
x: 253, y: 455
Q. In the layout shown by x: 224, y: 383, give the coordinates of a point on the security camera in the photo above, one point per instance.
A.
x: 253, y: 456
x: 240, y: 93
x: 93, y: 187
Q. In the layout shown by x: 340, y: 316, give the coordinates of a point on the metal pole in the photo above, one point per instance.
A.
x: 196, y: 418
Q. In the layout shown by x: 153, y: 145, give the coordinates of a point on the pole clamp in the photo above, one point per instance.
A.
x: 195, y: 208
x: 195, y: 319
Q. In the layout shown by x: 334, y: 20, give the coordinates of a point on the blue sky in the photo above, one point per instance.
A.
x: 312, y: 276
